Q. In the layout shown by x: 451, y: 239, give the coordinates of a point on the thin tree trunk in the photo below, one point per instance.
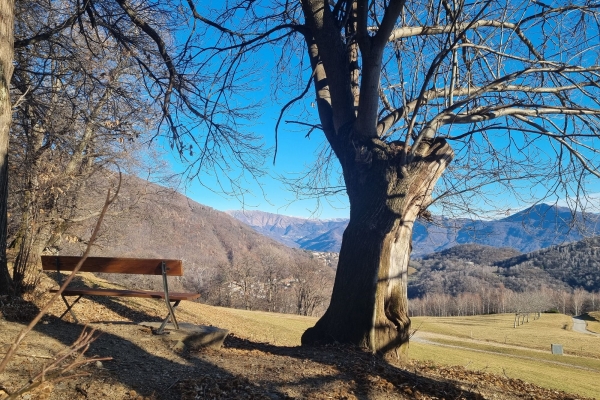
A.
x: 26, y: 237
x: 369, y: 305
x: 7, y: 8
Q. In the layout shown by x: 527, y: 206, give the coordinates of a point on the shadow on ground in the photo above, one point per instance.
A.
x: 152, y: 366
x: 369, y: 376
x: 147, y: 364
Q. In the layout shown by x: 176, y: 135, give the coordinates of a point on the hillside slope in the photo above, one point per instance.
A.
x: 577, y: 264
x: 474, y: 268
x: 152, y: 221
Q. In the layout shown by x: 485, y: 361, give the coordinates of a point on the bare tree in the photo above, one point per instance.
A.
x: 272, y: 271
x: 578, y: 298
x: 594, y: 296
x: 512, y: 85
x: 67, y: 42
x: 312, y: 284
x: 244, y: 281
x: 80, y: 109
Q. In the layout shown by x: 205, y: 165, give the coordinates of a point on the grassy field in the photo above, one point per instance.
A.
x: 277, y: 329
x: 491, y: 344
x: 538, y: 334
x: 488, y: 343
x: 481, y: 343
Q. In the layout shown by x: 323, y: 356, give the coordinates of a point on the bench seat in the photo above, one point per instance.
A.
x: 127, y: 293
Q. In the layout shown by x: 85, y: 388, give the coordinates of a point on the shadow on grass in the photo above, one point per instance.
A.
x: 369, y: 376
x: 147, y: 364
x: 587, y: 317
x: 117, y: 306
x: 143, y: 362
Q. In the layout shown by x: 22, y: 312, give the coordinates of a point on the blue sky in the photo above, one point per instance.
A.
x: 295, y: 151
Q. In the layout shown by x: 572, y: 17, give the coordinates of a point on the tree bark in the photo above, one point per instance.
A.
x: 369, y: 304
x: 7, y: 8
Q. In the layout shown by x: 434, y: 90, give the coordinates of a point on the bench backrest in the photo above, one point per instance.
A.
x: 113, y: 265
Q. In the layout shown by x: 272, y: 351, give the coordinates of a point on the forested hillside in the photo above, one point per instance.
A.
x: 458, y: 270
x: 476, y: 279
x: 577, y: 264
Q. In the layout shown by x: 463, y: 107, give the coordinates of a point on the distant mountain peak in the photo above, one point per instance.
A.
x: 541, y: 211
x: 294, y: 231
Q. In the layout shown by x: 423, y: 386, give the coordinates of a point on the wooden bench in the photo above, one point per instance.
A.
x: 121, y: 266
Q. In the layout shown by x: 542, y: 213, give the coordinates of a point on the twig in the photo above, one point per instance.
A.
x: 173, y: 384
x: 31, y: 355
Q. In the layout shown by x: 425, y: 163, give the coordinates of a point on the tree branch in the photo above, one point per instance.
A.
x: 52, y: 31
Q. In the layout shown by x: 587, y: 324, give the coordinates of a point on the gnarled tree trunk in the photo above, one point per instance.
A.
x: 369, y: 304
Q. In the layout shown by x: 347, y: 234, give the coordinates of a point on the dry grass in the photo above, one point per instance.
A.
x: 487, y: 343
x: 491, y: 343
x: 538, y: 334
x: 573, y: 374
x: 259, y: 326
x: 274, y: 328
x: 540, y: 372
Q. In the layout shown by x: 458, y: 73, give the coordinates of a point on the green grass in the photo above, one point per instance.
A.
x: 538, y: 334
x: 559, y: 377
x: 491, y: 343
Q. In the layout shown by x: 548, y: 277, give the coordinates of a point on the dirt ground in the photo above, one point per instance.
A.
x: 149, y: 366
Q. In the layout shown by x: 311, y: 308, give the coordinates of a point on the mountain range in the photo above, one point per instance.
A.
x: 534, y: 228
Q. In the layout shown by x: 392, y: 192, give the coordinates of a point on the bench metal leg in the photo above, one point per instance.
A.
x: 169, y: 317
x: 70, y: 308
x: 170, y: 307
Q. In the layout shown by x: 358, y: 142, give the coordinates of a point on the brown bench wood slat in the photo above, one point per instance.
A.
x: 142, y: 266
x: 128, y: 293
